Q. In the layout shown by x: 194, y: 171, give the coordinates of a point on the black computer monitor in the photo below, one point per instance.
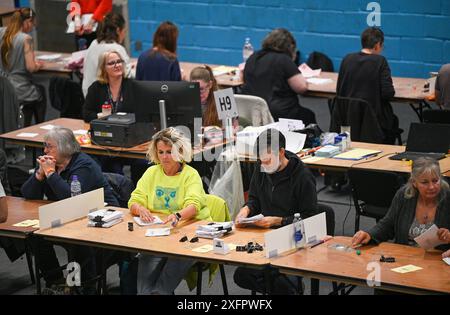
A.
x: 182, y: 103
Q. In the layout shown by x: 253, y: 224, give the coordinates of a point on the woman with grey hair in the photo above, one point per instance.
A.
x: 272, y: 74
x: 171, y: 188
x: 421, y: 203
x: 62, y: 160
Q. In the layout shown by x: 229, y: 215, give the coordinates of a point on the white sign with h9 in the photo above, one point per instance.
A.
x: 225, y: 104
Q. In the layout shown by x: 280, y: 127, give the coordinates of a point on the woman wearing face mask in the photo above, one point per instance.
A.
x: 17, y: 63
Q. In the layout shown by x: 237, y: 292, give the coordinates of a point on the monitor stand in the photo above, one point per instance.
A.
x: 162, y: 114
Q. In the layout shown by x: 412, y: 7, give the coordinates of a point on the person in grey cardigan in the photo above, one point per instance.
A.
x: 422, y: 202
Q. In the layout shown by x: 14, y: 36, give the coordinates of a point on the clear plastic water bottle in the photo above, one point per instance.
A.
x: 298, y: 231
x: 75, y: 186
x: 247, y: 51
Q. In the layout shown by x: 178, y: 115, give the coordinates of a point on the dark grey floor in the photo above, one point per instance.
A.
x: 14, y: 277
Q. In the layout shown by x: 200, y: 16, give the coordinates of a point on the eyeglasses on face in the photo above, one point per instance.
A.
x: 113, y: 63
x: 48, y: 145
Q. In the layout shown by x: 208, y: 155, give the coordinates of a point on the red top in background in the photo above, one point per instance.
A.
x: 98, y: 7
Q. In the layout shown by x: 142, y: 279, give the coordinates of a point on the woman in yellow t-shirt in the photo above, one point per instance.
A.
x: 170, y: 187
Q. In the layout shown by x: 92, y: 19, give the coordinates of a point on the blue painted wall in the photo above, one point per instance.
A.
x: 213, y: 31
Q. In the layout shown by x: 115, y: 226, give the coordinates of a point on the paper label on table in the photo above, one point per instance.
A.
x: 158, y: 232
x: 156, y: 220
x: 80, y: 132
x: 307, y: 72
x: 319, y: 81
x: 50, y: 57
x: 47, y: 127
x: 429, y: 239
x: 406, y: 269
x: 203, y: 249
x: 446, y: 260
x: 27, y: 134
x: 26, y: 223
x: 312, y: 159
x: 232, y: 246
x: 225, y: 104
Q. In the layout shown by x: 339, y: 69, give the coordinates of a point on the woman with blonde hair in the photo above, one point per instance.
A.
x: 111, y: 87
x: 423, y: 202
x: 172, y: 188
x: 17, y: 63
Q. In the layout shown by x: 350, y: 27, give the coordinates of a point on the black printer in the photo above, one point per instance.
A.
x: 121, y: 130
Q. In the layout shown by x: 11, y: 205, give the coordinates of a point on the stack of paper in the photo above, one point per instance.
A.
x: 357, y: 154
x: 253, y: 219
x: 105, y: 218
x: 327, y: 151
x: 220, y: 70
x: 307, y: 72
x: 85, y: 18
x: 214, y: 230
x: 246, y: 139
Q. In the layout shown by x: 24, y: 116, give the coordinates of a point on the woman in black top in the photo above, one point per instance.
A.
x: 272, y: 74
x: 111, y: 88
x: 422, y: 203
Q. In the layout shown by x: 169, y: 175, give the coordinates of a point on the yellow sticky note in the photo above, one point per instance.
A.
x: 26, y: 223
x: 232, y: 246
x: 406, y: 269
x: 203, y: 249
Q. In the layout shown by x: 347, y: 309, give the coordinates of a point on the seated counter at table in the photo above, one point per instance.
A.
x: 281, y: 186
x: 422, y: 202
x: 173, y: 188
x: 52, y: 178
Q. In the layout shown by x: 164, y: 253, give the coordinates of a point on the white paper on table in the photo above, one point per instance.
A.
x: 429, y: 239
x: 290, y: 124
x: 47, y: 127
x: 446, y: 260
x: 85, y: 18
x: 49, y: 57
x: 158, y: 232
x: 307, y: 72
x: 315, y: 228
x: 27, y: 134
x: 319, y: 81
x: 156, y: 220
x: 294, y: 141
x: 80, y: 132
x: 253, y: 219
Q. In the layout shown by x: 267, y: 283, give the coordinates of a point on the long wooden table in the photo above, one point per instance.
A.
x: 120, y: 238
x: 136, y: 152
x: 407, y: 90
x: 326, y: 263
x: 59, y: 67
x: 20, y: 210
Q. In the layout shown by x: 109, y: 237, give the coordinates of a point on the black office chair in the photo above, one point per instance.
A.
x: 436, y: 116
x: 361, y: 117
x: 372, y: 192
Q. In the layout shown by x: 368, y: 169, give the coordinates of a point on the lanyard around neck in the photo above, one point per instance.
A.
x: 115, y: 105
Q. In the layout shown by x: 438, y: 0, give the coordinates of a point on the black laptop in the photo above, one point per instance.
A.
x: 426, y: 140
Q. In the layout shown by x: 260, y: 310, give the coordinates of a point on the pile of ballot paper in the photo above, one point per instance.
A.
x: 327, y: 151
x: 214, y: 229
x: 105, y: 218
x: 250, y: 220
